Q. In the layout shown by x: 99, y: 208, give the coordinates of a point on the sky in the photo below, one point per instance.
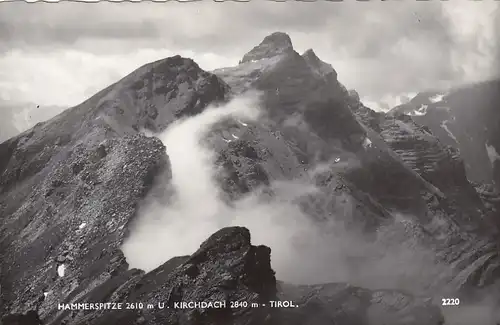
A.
x: 62, y: 53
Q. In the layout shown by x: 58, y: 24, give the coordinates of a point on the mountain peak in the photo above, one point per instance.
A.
x: 274, y: 44
x: 278, y: 37
x: 319, y: 67
x: 310, y: 54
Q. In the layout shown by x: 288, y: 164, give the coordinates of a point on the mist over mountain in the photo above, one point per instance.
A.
x: 18, y: 117
x: 294, y: 188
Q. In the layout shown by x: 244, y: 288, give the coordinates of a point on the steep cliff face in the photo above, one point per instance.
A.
x: 394, y: 166
x: 71, y: 186
x: 465, y: 118
x: 439, y: 164
x: 469, y: 208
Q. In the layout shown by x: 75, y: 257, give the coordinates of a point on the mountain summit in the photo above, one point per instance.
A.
x: 322, y: 68
x: 275, y: 44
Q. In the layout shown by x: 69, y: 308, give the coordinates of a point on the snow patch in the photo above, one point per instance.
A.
x: 444, y: 125
x: 263, y: 64
x: 60, y: 270
x: 437, y: 98
x: 244, y: 124
x: 337, y: 160
x: 492, y: 153
x: 422, y: 110
x: 367, y: 143
x: 82, y: 225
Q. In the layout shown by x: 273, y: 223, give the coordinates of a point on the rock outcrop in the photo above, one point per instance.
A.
x: 30, y: 318
x: 225, y: 270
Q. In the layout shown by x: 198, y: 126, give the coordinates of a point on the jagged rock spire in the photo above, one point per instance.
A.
x: 318, y: 66
x: 272, y: 45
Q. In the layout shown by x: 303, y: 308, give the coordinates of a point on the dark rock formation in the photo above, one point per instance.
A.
x: 227, y: 268
x: 31, y: 318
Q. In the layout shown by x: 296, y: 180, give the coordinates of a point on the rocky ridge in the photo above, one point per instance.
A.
x: 71, y: 185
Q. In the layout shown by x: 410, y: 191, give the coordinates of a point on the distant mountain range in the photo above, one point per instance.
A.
x: 70, y: 186
x: 18, y: 117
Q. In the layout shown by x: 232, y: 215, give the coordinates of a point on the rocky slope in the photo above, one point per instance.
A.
x: 71, y: 186
x: 228, y: 268
x: 465, y: 118
x: 394, y: 167
x: 437, y: 163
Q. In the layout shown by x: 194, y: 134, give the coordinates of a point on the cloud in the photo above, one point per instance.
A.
x: 68, y: 77
x: 180, y: 215
x: 380, y: 49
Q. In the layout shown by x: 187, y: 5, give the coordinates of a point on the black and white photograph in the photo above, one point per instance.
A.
x: 250, y: 162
